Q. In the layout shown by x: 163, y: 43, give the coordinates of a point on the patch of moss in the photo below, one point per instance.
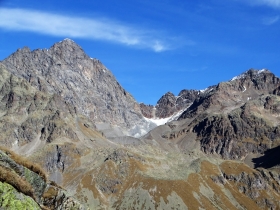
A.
x: 11, y: 199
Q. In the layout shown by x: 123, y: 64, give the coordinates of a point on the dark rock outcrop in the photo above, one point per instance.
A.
x: 166, y: 105
x: 148, y: 111
x: 237, y: 134
x: 169, y: 104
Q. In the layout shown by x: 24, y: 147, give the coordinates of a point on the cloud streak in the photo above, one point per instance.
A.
x: 270, y: 20
x: 77, y: 27
x: 270, y: 3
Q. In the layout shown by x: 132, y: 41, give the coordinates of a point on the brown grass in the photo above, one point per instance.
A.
x: 10, y: 177
x: 51, y: 192
x: 26, y: 163
x: 234, y: 168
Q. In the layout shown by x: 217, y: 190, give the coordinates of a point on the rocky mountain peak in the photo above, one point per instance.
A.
x: 260, y: 80
x: 166, y: 105
x: 252, y: 74
x: 84, y: 82
x: 169, y: 104
x: 68, y: 47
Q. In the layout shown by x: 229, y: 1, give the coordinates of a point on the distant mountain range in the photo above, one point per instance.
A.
x: 203, y: 149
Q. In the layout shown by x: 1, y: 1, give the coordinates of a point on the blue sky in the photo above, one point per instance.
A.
x: 157, y: 46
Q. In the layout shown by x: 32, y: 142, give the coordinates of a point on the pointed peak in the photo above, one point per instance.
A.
x: 169, y: 93
x: 67, y: 45
x: 68, y: 40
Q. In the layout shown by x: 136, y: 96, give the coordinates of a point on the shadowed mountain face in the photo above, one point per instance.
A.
x: 61, y: 109
x: 269, y: 159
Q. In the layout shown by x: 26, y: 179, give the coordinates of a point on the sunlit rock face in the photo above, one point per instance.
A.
x: 84, y: 82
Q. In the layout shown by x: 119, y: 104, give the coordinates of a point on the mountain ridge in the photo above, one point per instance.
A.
x: 213, y: 150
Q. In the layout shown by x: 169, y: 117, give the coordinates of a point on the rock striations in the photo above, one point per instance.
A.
x: 73, y: 123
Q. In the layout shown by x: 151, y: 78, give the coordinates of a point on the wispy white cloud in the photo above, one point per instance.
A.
x: 270, y: 3
x: 270, y: 20
x: 77, y: 27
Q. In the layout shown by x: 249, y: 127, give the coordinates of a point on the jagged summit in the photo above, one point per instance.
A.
x: 252, y: 80
x: 249, y: 83
x: 169, y: 104
x: 64, y: 45
x: 65, y: 69
x: 251, y: 73
x: 67, y: 45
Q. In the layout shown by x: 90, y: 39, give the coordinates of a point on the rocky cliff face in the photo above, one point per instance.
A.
x: 81, y: 81
x: 28, y: 114
x: 233, y: 119
x: 228, y: 95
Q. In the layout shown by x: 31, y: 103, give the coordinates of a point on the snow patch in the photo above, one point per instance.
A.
x: 238, y: 77
x: 67, y: 39
x: 202, y: 91
x: 157, y: 121
x: 162, y: 121
x: 140, y: 130
x: 244, y: 89
x: 177, y: 115
x: 262, y: 70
